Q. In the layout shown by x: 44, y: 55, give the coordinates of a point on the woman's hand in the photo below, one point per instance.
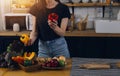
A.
x: 60, y: 30
x: 33, y: 37
x: 53, y: 24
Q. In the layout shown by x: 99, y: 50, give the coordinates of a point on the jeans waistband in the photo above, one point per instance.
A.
x: 52, y: 40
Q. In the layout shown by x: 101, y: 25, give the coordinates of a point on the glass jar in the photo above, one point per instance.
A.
x: 16, y: 27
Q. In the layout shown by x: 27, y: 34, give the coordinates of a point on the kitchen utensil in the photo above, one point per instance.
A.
x: 94, y: 66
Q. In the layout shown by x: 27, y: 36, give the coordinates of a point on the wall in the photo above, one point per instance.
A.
x: 4, y: 8
x: 80, y: 12
x: 0, y: 15
x: 94, y: 13
x: 114, y: 9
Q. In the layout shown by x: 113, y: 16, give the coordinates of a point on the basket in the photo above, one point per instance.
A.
x: 82, y: 24
x: 118, y: 64
x: 43, y: 62
x: 30, y: 68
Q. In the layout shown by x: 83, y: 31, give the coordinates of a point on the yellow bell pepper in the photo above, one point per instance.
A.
x: 24, y: 38
x: 30, y: 56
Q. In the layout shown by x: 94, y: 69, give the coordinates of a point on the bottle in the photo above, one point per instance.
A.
x: 16, y: 27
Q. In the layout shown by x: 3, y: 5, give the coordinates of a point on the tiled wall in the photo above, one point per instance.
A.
x: 94, y: 13
x: 114, y: 9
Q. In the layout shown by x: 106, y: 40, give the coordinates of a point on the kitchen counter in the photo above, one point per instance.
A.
x: 64, y: 72
x: 91, y: 33
x: 12, y: 33
x: 86, y: 33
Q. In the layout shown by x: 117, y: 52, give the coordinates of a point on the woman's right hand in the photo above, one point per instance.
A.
x: 33, y: 37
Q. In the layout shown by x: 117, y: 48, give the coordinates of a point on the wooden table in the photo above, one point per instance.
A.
x: 64, y: 72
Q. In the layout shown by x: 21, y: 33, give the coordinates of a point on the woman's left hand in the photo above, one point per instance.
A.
x: 53, y: 24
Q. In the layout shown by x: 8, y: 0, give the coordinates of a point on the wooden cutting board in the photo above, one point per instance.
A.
x: 94, y: 66
x: 118, y: 64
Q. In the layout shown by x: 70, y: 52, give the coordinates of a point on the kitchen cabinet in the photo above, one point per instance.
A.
x: 94, y: 47
x: 86, y: 44
x: 1, y: 44
x: 113, y: 47
x: 86, y: 47
x: 6, y: 40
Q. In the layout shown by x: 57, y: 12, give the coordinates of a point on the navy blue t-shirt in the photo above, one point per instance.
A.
x: 45, y: 33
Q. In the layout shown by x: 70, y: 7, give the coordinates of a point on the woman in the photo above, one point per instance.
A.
x: 50, y: 18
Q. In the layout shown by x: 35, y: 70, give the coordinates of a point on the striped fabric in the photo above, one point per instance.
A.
x: 76, y: 71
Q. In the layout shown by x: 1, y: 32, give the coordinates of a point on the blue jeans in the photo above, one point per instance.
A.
x: 53, y: 48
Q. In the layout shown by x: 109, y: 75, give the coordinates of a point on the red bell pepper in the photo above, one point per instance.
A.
x: 18, y: 59
x: 53, y: 16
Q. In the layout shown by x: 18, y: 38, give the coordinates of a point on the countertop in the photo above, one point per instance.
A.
x: 86, y: 33
x: 63, y: 72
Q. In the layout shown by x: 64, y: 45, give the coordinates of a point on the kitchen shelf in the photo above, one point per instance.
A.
x: 19, y: 10
x: 103, y: 5
x: 90, y: 4
x: 90, y: 33
x: 86, y: 33
x: 25, y: 10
